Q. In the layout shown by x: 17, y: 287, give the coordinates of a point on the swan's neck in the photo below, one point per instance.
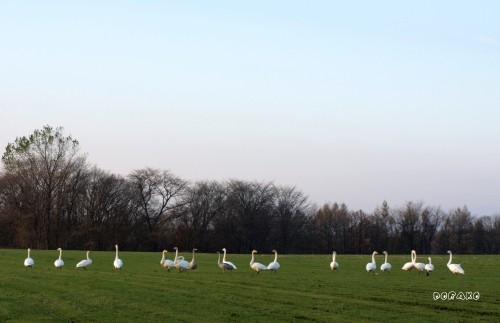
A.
x: 413, y: 257
x: 29, y: 252
x: 163, y: 256
x: 224, y: 257
x: 116, y: 257
x: 60, y: 254
x: 276, y: 256
x: 449, y: 261
x: 193, y: 255
x: 253, y: 258
x: 176, y: 253
x: 88, y: 254
x: 333, y: 257
x: 385, y: 261
x: 373, y: 257
x: 218, y: 259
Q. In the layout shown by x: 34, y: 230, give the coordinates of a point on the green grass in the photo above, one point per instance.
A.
x: 304, y: 289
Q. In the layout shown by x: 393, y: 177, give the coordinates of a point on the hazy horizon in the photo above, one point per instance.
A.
x: 352, y: 103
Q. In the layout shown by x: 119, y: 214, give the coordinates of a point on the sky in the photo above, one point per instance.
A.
x: 352, y: 102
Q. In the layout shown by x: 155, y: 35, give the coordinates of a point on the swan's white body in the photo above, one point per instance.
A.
x: 274, y: 265
x: 334, y: 265
x: 372, y: 266
x: 429, y: 267
x: 166, y: 263
x: 59, y: 263
x: 118, y: 263
x: 409, y: 265
x: 85, y: 262
x: 179, y: 261
x: 193, y: 265
x: 386, y: 266
x: 420, y: 266
x: 257, y: 266
x: 29, y: 262
x: 455, y: 268
x: 222, y: 265
x: 224, y: 261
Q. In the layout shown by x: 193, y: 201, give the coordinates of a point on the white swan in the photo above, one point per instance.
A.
x: 372, y: 266
x: 222, y: 265
x: 85, y: 262
x: 179, y: 261
x: 429, y: 267
x: 59, y: 263
x: 166, y: 263
x: 257, y: 266
x: 420, y: 266
x: 409, y: 265
x: 29, y: 262
x: 118, y: 263
x: 455, y: 268
x: 334, y: 265
x: 193, y: 265
x: 274, y: 265
x: 233, y: 266
x: 386, y: 266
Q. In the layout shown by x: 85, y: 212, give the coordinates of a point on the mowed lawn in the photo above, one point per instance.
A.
x: 304, y: 289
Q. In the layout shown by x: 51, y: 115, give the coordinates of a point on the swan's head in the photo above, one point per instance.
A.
x: 224, y: 249
x: 449, y: 251
x: 274, y: 251
x: 116, y: 246
x: 59, y: 249
x: 175, y: 248
x: 218, y: 253
x: 375, y: 253
x: 385, y: 252
x: 194, y: 249
x: 429, y: 259
x: 334, y: 253
x: 254, y: 251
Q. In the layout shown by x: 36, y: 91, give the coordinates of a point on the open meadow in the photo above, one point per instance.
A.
x: 304, y: 289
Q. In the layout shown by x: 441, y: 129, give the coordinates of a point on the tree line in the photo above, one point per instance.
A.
x: 51, y: 197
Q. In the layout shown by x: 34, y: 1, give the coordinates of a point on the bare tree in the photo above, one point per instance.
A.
x: 409, y: 221
x: 47, y: 168
x: 291, y: 215
x: 158, y: 194
x: 204, y: 202
x: 250, y: 205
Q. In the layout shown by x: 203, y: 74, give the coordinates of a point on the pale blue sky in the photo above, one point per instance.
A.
x: 349, y: 101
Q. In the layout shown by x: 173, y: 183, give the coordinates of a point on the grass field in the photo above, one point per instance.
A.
x: 304, y: 289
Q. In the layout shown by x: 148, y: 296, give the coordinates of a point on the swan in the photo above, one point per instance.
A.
x: 85, y: 262
x: 222, y: 265
x: 419, y: 265
x: 409, y: 265
x: 166, y: 263
x: 179, y: 261
x: 59, y: 263
x: 275, y: 265
x: 118, y: 263
x: 334, y: 265
x: 386, y: 266
x: 257, y: 266
x: 454, y: 268
x: 227, y: 262
x: 193, y: 265
x: 29, y: 262
x: 429, y: 267
x: 372, y: 266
